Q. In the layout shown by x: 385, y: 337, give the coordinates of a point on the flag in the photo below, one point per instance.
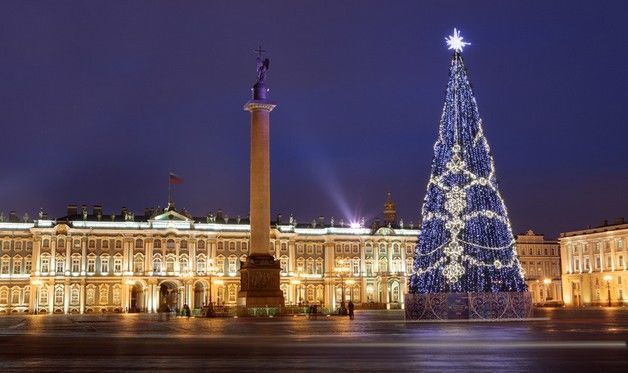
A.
x: 174, y: 179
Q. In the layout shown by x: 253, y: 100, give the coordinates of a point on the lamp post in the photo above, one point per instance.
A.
x: 341, y: 271
x: 608, y: 279
x: 546, y: 282
x: 211, y: 271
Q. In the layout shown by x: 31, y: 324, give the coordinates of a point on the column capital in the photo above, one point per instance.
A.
x: 255, y: 105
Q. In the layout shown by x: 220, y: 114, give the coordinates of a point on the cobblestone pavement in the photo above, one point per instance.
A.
x: 573, y: 339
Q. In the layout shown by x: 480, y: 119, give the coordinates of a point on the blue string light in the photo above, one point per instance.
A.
x: 466, y: 242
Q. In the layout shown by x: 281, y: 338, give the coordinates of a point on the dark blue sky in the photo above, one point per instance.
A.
x: 99, y: 100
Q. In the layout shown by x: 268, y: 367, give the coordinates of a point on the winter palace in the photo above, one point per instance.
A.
x: 91, y: 262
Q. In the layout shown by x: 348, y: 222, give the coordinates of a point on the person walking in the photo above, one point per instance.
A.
x: 351, y: 307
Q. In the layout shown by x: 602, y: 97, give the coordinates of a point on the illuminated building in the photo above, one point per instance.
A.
x: 92, y: 262
x: 594, y: 265
x: 540, y: 260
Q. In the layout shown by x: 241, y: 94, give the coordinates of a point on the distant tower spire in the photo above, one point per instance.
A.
x: 390, y: 212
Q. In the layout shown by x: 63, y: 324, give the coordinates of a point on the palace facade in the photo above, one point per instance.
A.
x: 594, y: 265
x: 540, y: 260
x: 90, y: 262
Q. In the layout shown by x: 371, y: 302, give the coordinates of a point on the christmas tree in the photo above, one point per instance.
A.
x: 466, y: 242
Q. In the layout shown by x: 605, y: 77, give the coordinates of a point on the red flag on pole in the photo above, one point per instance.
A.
x: 174, y: 179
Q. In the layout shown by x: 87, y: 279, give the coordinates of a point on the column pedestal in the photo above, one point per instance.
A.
x: 259, y: 282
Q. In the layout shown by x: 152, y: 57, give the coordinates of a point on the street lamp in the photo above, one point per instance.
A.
x: 211, y: 271
x: 341, y: 271
x: 608, y: 279
x: 546, y: 282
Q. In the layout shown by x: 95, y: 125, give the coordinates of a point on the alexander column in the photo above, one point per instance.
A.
x: 260, y: 273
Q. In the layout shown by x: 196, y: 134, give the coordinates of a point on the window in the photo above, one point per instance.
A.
x: 233, y: 290
x: 43, y: 296
x: 310, y: 249
x: 4, y: 296
x: 577, y: 265
x: 118, y: 244
x: 300, y: 249
x: 283, y: 262
x: 5, y: 266
x: 369, y: 268
x: 74, y: 296
x: 347, y: 248
x: 284, y: 247
x: 26, y: 299
x: 319, y: 249
x: 621, y: 261
x: 46, y: 243
x: 170, y: 245
x: 245, y: 246
x: 28, y: 265
x: 183, y: 244
x: 91, y: 264
x: 103, y: 294
x: 396, y: 250
x: 59, y: 295
x: 170, y: 264
x: 546, y: 252
x: 138, y: 264
x: 201, y: 244
x: 139, y: 244
x: 620, y: 244
x: 17, y: 265
x: 90, y: 296
x: 220, y: 264
x: 77, y: 244
x: 18, y: 245
x: 157, y: 244
x: 45, y: 264
x: 157, y: 264
x: 116, y: 295
x: 608, y: 262
x: 183, y: 264
x: 104, y: 264
x: 220, y: 245
x: 76, y: 264
x: 309, y: 266
x: 117, y: 264
x: 105, y: 244
x: 232, y: 264
x: 319, y: 266
x: 60, y: 265
x: 597, y: 262
x: 587, y: 264
x: 200, y: 265
x: 15, y: 296
x: 232, y: 246
x: 92, y: 244
x: 356, y: 266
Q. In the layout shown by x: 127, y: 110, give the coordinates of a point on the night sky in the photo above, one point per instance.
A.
x: 100, y: 100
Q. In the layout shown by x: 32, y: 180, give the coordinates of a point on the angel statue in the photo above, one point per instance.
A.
x: 262, y: 67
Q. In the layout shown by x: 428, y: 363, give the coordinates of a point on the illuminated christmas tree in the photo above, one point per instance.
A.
x: 466, y: 242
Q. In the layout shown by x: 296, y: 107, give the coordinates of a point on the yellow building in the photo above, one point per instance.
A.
x: 92, y: 262
x: 540, y: 260
x: 594, y: 265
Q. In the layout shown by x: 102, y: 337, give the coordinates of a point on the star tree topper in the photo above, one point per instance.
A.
x: 455, y: 41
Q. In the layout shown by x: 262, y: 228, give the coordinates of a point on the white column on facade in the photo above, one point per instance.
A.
x: 82, y: 298
x: 53, y: 256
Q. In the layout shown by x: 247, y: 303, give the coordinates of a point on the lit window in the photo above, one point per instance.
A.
x: 76, y: 264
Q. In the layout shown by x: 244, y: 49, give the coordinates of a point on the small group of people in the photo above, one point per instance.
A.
x: 348, y: 310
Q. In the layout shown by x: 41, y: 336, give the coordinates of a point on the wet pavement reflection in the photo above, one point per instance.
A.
x: 375, y: 341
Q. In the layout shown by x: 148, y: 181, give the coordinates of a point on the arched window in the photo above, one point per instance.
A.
x: 45, y: 244
x: 103, y: 294
x: 138, y: 263
x: 183, y: 263
x: 117, y: 263
x: 43, y: 295
x: 59, y: 295
x: 45, y: 263
x: 76, y: 263
x: 118, y: 244
x: 157, y: 244
x: 183, y: 244
x: 74, y: 295
x: 60, y: 264
x: 170, y: 244
x: 157, y: 264
x: 201, y: 264
x: 232, y: 264
x: 4, y: 295
x: 104, y: 264
x: 90, y: 296
x: 15, y: 296
x: 116, y: 295
x: 17, y: 264
x: 201, y: 244
x: 26, y: 298
x: 170, y: 263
